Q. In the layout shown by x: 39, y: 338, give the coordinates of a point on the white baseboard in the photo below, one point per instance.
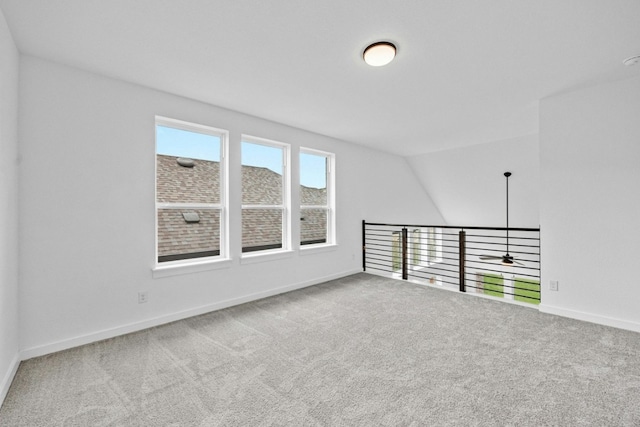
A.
x: 590, y: 317
x: 8, y: 377
x: 558, y: 311
x: 172, y: 317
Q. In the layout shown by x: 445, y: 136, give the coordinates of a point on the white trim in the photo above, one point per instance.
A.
x: 53, y: 347
x: 222, y: 206
x: 264, y: 141
x: 542, y: 308
x: 285, y: 206
x: 190, y: 126
x: 9, y: 376
x: 590, y: 317
x: 330, y: 206
x: 191, y: 265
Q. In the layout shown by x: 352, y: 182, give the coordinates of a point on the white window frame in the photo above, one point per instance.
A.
x: 434, y: 233
x: 331, y: 239
x: 415, y: 255
x: 285, y: 206
x: 164, y: 268
x: 422, y: 258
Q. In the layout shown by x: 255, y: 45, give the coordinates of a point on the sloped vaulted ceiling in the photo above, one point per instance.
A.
x: 466, y: 72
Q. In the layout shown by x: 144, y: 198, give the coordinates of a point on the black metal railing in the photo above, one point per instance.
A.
x: 495, y: 261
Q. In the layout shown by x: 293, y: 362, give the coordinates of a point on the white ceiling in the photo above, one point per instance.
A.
x: 467, y: 71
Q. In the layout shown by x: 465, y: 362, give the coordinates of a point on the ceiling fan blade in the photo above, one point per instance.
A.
x: 490, y: 257
x: 517, y: 262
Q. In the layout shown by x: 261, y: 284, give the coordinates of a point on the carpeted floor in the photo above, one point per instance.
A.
x: 361, y: 351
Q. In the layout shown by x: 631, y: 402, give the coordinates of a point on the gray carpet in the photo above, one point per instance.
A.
x: 362, y: 351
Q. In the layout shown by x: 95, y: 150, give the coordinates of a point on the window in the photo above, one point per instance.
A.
x: 434, y: 245
x: 317, y: 212
x: 425, y: 246
x: 396, y: 250
x: 416, y: 247
x: 190, y: 196
x: 265, y: 195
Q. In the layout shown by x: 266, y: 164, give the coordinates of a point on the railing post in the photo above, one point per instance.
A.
x: 364, y: 246
x: 462, y: 251
x: 405, y: 254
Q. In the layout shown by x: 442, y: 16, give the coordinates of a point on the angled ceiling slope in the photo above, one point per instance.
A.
x: 466, y: 72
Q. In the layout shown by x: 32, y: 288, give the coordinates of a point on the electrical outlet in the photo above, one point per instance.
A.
x: 143, y: 297
x: 553, y: 285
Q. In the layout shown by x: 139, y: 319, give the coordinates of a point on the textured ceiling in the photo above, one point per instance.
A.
x: 466, y: 72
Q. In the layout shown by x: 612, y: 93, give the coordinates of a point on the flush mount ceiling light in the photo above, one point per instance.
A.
x: 632, y: 60
x: 379, y: 53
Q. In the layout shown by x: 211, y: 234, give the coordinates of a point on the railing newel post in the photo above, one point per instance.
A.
x: 364, y: 245
x: 405, y: 255
x: 462, y: 252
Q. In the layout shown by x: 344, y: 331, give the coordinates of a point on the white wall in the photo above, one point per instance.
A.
x: 468, y: 186
x: 8, y: 208
x: 590, y: 203
x: 87, y: 209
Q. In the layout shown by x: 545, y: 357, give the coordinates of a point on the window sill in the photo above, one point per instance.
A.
x: 315, y: 249
x: 191, y: 267
x: 263, y: 256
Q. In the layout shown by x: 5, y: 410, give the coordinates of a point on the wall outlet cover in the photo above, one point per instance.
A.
x: 143, y: 297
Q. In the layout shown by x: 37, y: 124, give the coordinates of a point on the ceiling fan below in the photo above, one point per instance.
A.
x: 506, y: 259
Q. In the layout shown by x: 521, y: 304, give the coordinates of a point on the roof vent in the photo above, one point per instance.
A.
x: 191, y: 217
x: 186, y: 163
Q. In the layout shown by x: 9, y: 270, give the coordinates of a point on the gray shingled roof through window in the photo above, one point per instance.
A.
x: 261, y: 228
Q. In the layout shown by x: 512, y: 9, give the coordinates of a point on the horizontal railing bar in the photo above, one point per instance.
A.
x: 454, y: 269
x: 380, y: 236
x: 388, y: 260
x: 526, y: 271
x: 503, y: 244
x: 503, y: 293
x: 454, y: 227
x: 501, y: 253
x: 385, y: 265
x: 502, y: 250
x: 444, y: 273
x: 424, y: 252
x: 510, y: 287
x: 380, y: 257
x: 516, y: 288
x: 502, y: 236
x: 507, y: 293
x: 383, y: 244
x: 509, y: 266
x: 423, y: 277
x: 437, y: 269
x: 488, y: 270
x: 522, y: 271
x: 378, y: 242
x: 500, y: 247
x: 379, y: 269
